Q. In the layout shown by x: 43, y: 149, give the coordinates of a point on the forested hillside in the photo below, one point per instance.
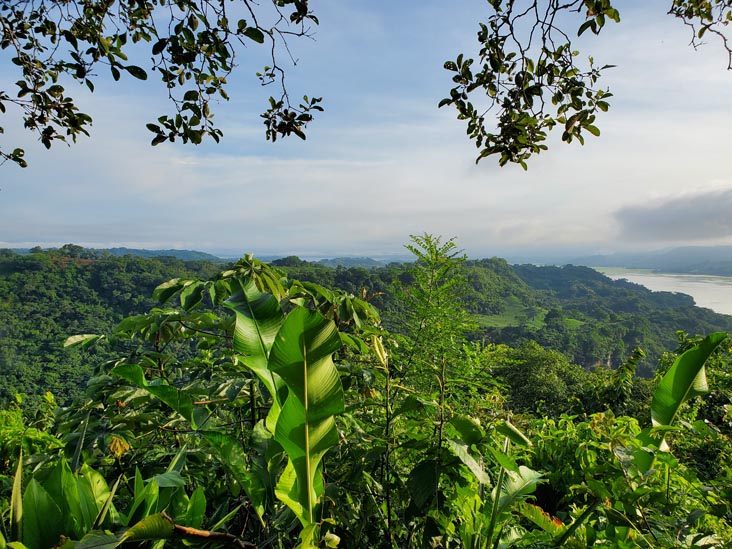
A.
x: 590, y: 319
x: 47, y: 296
x: 183, y: 255
x: 594, y: 319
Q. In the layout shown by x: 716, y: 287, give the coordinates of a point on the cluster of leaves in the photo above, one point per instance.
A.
x: 528, y: 77
x: 193, y: 47
x: 526, y: 59
x: 706, y: 17
x: 203, y: 379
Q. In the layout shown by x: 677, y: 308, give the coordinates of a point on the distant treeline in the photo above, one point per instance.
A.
x: 97, y: 253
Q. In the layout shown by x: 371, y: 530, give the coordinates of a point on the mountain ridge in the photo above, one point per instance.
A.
x: 703, y: 260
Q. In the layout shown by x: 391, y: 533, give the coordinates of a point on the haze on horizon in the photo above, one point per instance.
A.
x: 383, y: 162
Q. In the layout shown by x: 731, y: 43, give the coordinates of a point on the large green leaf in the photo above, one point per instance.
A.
x: 42, y: 518
x: 258, y: 320
x: 512, y: 487
x: 232, y: 455
x: 172, y: 396
x: 150, y: 528
x: 196, y: 511
x: 288, y: 492
x: 513, y: 433
x: 64, y: 502
x: 101, y: 493
x: 61, y: 486
x: 423, y: 482
x: 16, y: 500
x: 145, y: 502
x: 516, y: 486
x: 302, y: 356
x: 684, y: 380
x: 460, y: 449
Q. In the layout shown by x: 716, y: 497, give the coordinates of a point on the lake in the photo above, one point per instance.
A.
x: 713, y: 292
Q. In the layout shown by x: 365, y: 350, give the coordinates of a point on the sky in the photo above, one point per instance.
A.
x: 382, y: 162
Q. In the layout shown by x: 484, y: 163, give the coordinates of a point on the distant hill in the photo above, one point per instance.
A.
x: 332, y: 263
x: 708, y: 260
x: 183, y: 255
x: 45, y: 296
x: 349, y: 262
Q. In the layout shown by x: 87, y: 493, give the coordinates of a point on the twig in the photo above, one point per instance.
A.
x: 189, y: 532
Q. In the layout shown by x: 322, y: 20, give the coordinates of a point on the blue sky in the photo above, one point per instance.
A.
x: 383, y: 162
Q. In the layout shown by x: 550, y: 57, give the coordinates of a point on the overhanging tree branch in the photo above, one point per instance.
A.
x: 527, y: 77
x: 193, y: 46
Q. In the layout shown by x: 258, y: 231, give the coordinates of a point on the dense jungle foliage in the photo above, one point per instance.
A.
x: 46, y: 296
x: 589, y: 319
x: 249, y: 409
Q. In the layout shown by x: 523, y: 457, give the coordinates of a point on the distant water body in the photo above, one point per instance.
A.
x: 712, y: 292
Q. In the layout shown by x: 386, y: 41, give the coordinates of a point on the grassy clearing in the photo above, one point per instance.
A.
x: 573, y: 323
x: 514, y: 313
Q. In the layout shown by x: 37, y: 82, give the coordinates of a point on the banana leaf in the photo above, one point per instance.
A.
x: 258, y: 320
x: 302, y: 356
x: 684, y: 380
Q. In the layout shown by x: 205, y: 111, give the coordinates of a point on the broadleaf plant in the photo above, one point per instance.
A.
x: 302, y: 356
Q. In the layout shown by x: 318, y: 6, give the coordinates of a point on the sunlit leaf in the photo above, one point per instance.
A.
x: 153, y: 527
x: 16, y: 499
x: 258, y: 319
x: 84, y: 340
x: 509, y: 430
x: 684, y: 380
x: 461, y: 451
x: 302, y: 356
